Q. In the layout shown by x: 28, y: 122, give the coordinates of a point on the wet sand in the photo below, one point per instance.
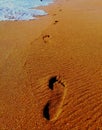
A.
x: 51, y: 69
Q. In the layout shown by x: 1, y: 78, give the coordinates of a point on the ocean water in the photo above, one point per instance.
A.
x: 11, y: 10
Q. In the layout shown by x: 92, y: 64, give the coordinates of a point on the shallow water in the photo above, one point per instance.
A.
x: 21, y: 9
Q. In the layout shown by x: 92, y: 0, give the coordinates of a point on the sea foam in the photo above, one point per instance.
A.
x: 21, y: 9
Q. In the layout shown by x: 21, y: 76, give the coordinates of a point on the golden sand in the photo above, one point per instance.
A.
x: 51, y: 69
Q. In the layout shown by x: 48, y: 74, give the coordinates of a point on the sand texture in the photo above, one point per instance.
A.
x: 51, y: 69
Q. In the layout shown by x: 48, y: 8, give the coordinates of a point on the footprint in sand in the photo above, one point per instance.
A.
x: 54, y: 106
x: 45, y: 38
x: 56, y: 21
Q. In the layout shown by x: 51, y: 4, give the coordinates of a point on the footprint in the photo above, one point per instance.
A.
x: 56, y: 21
x: 45, y: 38
x: 54, y: 106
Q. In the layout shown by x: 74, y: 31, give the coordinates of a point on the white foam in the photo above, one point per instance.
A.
x: 21, y: 9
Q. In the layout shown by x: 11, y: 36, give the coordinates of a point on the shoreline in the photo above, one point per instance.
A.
x: 50, y: 69
x: 22, y: 11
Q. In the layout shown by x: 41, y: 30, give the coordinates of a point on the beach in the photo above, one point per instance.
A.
x: 51, y: 69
